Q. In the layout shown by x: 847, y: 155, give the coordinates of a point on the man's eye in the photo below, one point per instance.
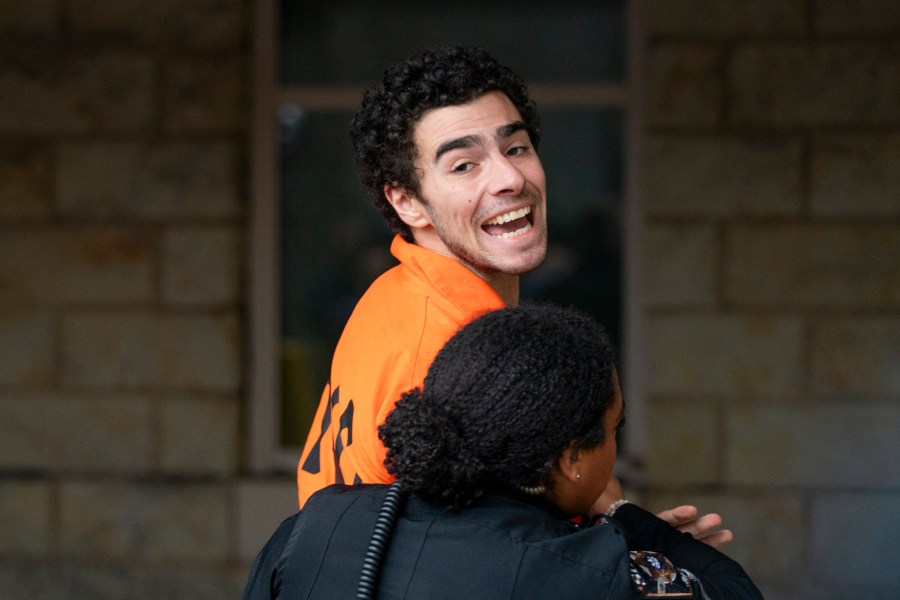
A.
x: 517, y: 151
x: 463, y: 167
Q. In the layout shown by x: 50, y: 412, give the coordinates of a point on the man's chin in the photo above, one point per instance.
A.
x: 522, y: 265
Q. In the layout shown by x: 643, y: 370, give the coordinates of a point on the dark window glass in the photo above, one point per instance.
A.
x: 333, y: 244
x: 351, y: 41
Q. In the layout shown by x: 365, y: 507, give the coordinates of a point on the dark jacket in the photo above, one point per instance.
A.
x: 503, y: 546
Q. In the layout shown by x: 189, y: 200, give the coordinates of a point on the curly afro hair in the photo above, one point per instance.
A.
x: 502, y: 400
x: 383, y: 130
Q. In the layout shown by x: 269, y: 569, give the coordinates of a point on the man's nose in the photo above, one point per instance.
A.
x: 506, y: 178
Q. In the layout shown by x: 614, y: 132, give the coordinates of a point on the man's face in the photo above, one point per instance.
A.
x: 483, y: 189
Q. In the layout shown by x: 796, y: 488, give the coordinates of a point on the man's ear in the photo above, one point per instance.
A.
x: 409, y: 209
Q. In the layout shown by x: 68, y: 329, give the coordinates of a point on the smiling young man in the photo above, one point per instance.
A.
x: 447, y: 146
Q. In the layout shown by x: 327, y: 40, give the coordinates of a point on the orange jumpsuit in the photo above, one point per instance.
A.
x: 394, y: 333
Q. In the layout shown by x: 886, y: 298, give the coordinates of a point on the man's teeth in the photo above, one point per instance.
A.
x: 516, y: 232
x: 510, y: 216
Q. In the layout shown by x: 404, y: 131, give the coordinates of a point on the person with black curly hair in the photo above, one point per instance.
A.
x: 446, y: 144
x: 512, y: 434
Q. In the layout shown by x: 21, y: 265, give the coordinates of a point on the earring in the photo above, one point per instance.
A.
x: 577, y: 476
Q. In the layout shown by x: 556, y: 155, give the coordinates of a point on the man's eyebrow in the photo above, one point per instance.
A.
x: 504, y: 131
x: 467, y: 141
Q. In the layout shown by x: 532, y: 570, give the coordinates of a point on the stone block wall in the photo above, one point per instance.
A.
x: 772, y: 285
x: 123, y: 203
x: 771, y: 292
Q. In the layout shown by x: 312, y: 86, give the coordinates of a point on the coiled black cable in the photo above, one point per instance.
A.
x: 381, y: 536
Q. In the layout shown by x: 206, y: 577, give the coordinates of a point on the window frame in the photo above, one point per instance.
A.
x: 264, y: 453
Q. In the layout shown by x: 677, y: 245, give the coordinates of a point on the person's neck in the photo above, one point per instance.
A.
x: 506, y: 286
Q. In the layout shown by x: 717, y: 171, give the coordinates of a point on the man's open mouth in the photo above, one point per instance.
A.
x: 515, y: 222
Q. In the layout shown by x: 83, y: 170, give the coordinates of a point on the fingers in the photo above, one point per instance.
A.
x: 704, y: 529
x: 718, y: 539
x: 679, y: 515
x: 704, y: 526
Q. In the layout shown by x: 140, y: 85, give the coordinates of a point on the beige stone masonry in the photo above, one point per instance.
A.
x: 685, y: 85
x: 24, y: 518
x: 261, y: 506
x: 56, y: 432
x: 24, y: 182
x: 62, y: 579
x: 204, y: 95
x: 859, y: 16
x: 854, y: 266
x: 132, y: 180
x: 723, y: 18
x: 718, y: 177
x: 103, y: 92
x: 116, y: 520
x: 27, y: 349
x: 133, y: 349
x: 856, y: 175
x: 59, y: 265
x: 31, y: 17
x: 855, y: 356
x: 681, y: 263
x: 802, y: 85
x: 200, y: 265
x: 826, y: 445
x: 199, y: 435
x: 724, y: 355
x: 683, y: 444
x: 867, y: 531
x: 203, y: 25
x: 123, y: 174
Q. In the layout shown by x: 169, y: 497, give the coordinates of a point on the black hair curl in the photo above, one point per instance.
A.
x: 382, y: 131
x: 502, y: 400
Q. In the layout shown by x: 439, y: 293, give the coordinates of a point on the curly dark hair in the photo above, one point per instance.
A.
x: 502, y: 400
x: 383, y: 130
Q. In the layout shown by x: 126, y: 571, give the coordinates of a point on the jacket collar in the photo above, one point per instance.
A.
x: 460, y: 286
